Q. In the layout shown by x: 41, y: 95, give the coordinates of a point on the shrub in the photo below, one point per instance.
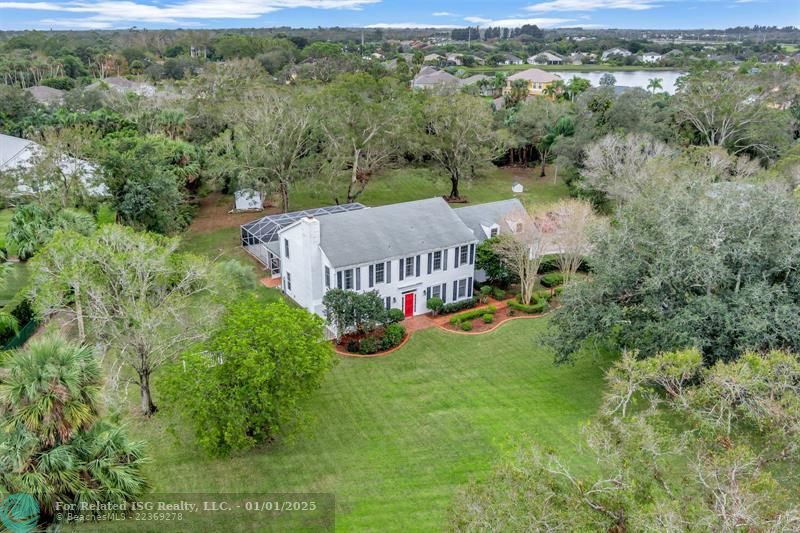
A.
x: 466, y: 326
x: 469, y: 315
x: 542, y: 294
x: 538, y: 307
x: 458, y: 306
x: 557, y: 291
x: 105, y: 215
x: 488, y: 318
x: 553, y: 279
x: 368, y: 345
x: 392, y: 336
x: 486, y: 291
x: 394, y: 316
x: 549, y: 263
x: 435, y: 304
x: 352, y: 346
x: 499, y: 294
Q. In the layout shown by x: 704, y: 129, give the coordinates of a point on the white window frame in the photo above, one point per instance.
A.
x: 462, y: 288
x: 345, y: 285
x: 437, y: 260
x: 436, y: 291
x: 409, y: 266
x: 286, y: 248
x: 288, y: 281
x: 327, y: 277
x: 463, y: 255
x: 380, y: 272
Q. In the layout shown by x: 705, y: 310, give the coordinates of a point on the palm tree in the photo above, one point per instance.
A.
x: 8, y: 324
x: 518, y: 92
x: 55, y: 446
x: 563, y: 127
x: 654, y: 84
x: 554, y: 90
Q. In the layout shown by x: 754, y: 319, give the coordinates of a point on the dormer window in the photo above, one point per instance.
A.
x: 518, y: 227
x: 494, y: 232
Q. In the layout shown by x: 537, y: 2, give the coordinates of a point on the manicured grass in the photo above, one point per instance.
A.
x: 403, y: 185
x: 396, y: 437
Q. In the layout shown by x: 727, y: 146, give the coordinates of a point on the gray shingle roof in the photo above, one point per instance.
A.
x: 475, y: 216
x: 396, y: 230
x: 46, y: 95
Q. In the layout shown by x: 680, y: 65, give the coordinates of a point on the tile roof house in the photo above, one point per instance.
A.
x: 434, y: 80
x: 538, y: 80
x: 18, y: 154
x: 408, y: 252
x: 124, y: 85
x: 546, y: 58
x: 615, y: 52
x: 46, y: 95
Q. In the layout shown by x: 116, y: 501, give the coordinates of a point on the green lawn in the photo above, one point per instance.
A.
x: 403, y: 185
x: 395, y: 437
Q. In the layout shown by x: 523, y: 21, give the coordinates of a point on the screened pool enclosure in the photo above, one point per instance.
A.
x: 260, y: 237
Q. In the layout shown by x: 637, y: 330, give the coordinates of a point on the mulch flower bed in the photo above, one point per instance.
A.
x: 479, y: 326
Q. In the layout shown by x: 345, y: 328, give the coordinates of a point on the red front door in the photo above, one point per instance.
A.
x: 408, y: 304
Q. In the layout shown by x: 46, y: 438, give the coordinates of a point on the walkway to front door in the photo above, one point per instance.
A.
x: 408, y: 304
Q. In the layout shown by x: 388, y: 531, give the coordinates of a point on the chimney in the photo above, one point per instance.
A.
x: 311, y: 231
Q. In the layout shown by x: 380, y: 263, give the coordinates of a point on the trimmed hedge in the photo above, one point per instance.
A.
x: 552, y: 279
x: 469, y: 315
x: 488, y: 318
x: 466, y: 326
x: 458, y: 306
x: 499, y: 294
x: 536, y: 308
x: 379, y: 341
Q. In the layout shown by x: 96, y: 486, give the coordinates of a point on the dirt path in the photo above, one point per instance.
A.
x: 213, y: 214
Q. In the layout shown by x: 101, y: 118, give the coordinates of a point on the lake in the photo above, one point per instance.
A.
x: 628, y: 78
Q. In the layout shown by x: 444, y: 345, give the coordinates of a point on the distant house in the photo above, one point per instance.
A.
x: 20, y: 154
x: 437, y: 79
x: 124, y: 85
x: 510, y: 59
x: 517, y: 187
x: 247, y: 200
x: 46, y: 95
x: 538, y: 80
x: 454, y: 59
x: 651, y: 57
x: 432, y: 58
x: 618, y: 52
x: 674, y: 53
x: 546, y: 58
x: 484, y: 89
x: 499, y: 103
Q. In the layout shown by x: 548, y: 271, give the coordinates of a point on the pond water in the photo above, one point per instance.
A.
x: 632, y: 78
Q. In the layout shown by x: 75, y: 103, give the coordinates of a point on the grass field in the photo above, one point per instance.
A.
x: 396, y: 437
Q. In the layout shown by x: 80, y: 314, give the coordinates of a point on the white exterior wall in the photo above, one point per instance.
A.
x: 397, y: 288
x: 304, y: 262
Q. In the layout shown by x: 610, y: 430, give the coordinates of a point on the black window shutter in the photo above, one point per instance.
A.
x: 428, y: 293
x: 430, y: 263
x: 469, y: 287
x: 388, y: 271
x: 444, y: 292
x: 444, y: 260
x: 358, y: 278
x: 418, y: 262
x: 402, y: 270
x: 455, y: 290
x: 472, y: 253
x: 455, y: 253
x: 371, y: 274
x: 339, y: 280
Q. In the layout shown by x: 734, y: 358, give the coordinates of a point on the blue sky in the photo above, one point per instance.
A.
x: 107, y: 14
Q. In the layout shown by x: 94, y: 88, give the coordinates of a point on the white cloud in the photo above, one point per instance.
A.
x: 443, y: 14
x: 592, y: 5
x: 542, y: 22
x: 116, y: 11
x: 77, y: 24
x: 410, y: 25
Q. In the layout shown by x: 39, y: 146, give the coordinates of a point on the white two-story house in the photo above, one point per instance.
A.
x: 407, y: 252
